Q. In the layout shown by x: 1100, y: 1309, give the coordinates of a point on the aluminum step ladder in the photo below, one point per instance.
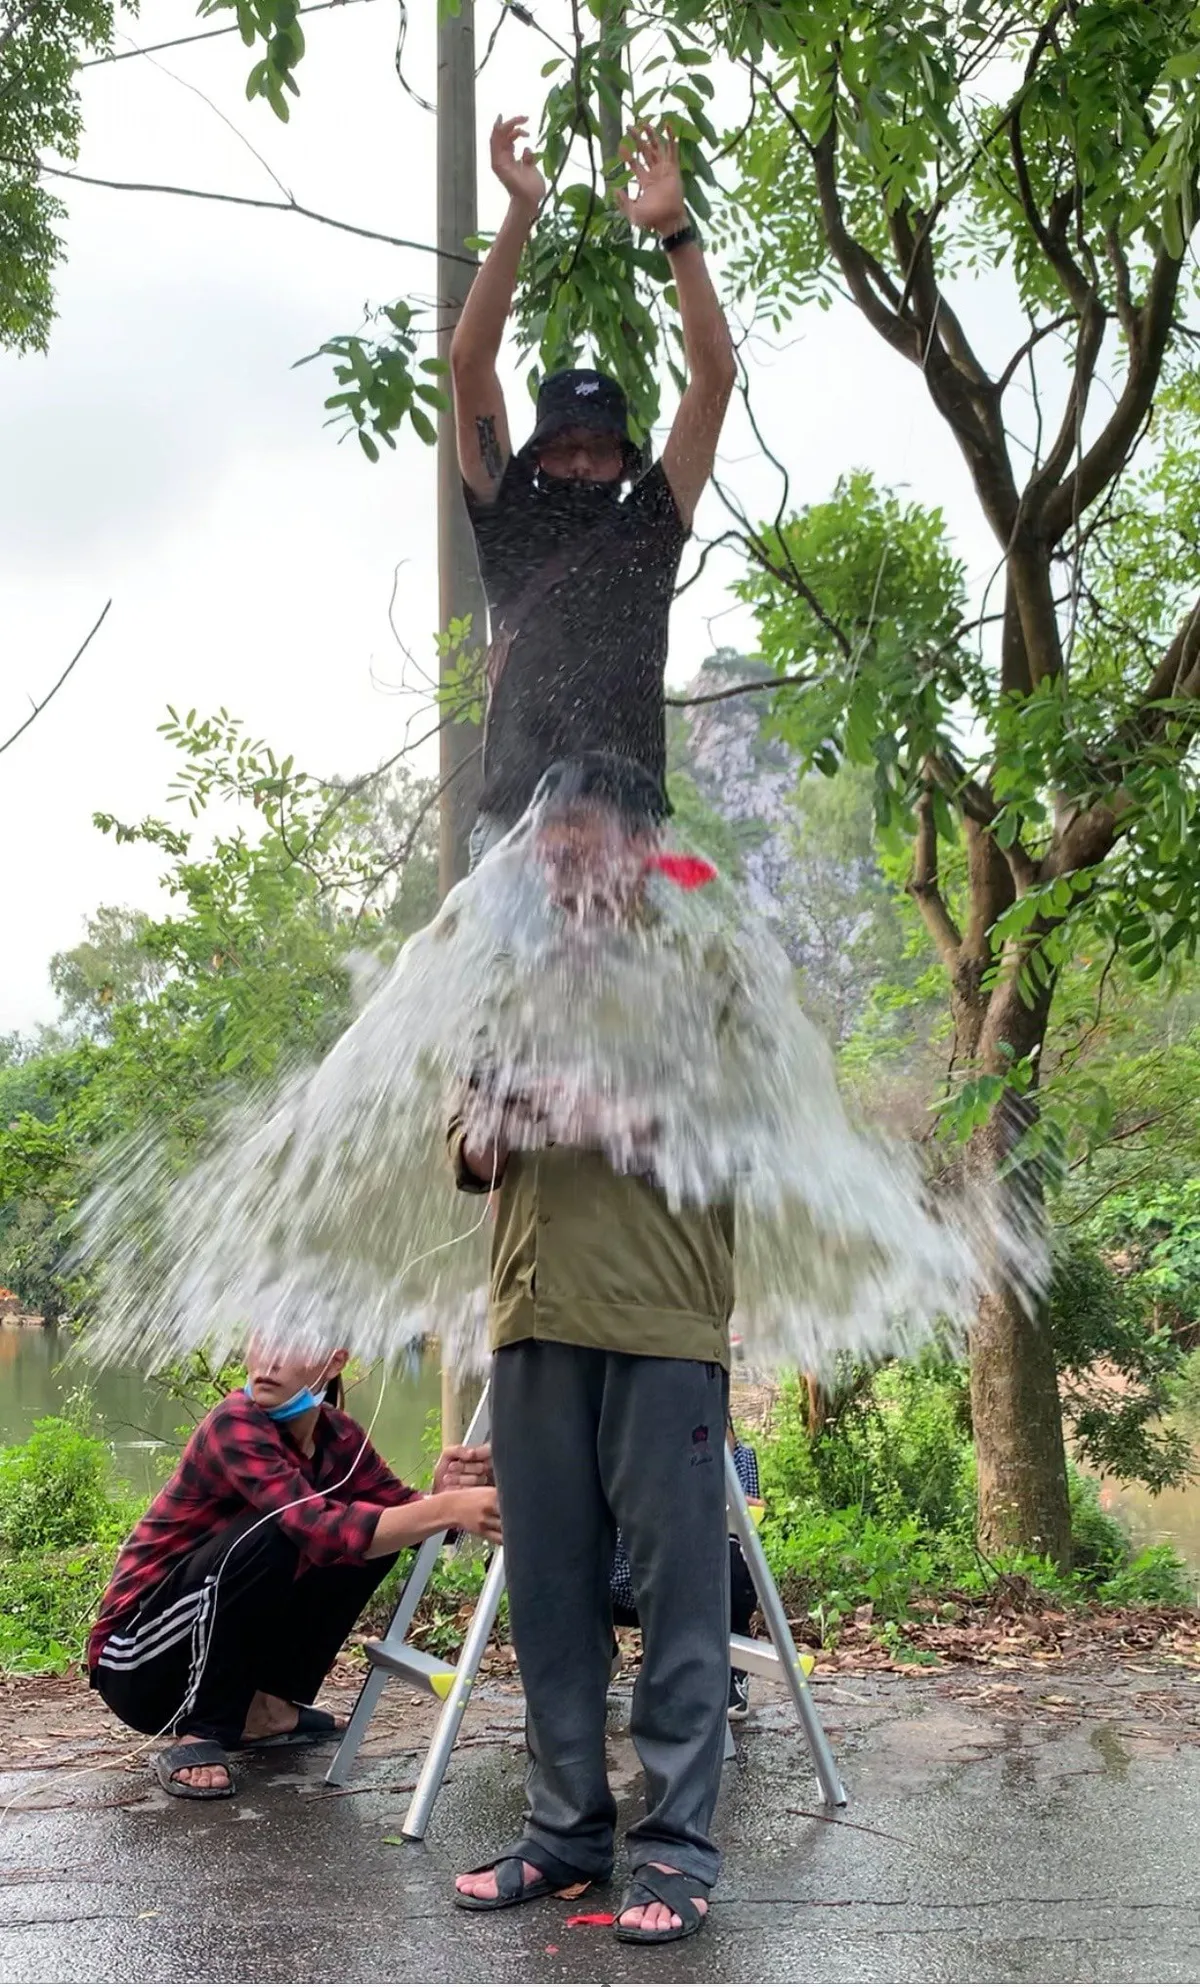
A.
x: 775, y: 1657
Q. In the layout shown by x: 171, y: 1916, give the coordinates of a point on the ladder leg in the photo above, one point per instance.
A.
x: 416, y: 1821
x: 368, y: 1697
x: 411, y: 1595
x: 356, y: 1730
x: 730, y: 1748
x: 832, y: 1790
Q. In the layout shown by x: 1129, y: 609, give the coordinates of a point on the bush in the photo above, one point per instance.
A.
x: 879, y: 1508
x: 830, y: 1563
x: 1187, y: 1390
x: 1106, y: 1564
x: 897, y: 1446
x: 1118, y: 1368
x: 48, y: 1602
x: 54, y: 1489
x: 60, y: 1530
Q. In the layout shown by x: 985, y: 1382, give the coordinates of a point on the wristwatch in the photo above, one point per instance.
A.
x: 680, y: 239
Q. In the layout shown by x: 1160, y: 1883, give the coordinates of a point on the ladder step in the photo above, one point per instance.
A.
x: 400, y: 1659
x: 759, y: 1659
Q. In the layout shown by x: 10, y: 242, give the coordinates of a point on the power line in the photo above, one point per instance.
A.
x: 206, y: 34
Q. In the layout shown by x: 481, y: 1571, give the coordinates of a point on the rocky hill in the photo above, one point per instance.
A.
x: 804, y: 845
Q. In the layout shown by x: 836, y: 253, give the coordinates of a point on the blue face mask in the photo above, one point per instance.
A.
x: 288, y: 1410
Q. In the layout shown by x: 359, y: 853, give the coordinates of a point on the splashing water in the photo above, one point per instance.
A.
x: 629, y: 1011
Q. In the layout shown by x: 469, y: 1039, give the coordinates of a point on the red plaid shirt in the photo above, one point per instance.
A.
x: 238, y: 1461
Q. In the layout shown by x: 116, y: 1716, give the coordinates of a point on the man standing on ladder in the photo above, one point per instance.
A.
x: 609, y: 1314
x: 579, y: 552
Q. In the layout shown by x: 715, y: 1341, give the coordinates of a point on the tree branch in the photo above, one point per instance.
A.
x: 857, y: 266
x: 914, y: 254
x: 1051, y: 238
x: 799, y: 682
x: 205, y: 34
x: 1085, y: 842
x: 924, y: 889
x: 1023, y: 351
x: 1119, y: 264
x: 53, y: 691
x: 1176, y: 681
x: 37, y: 166
x: 1113, y: 446
x: 1045, y: 480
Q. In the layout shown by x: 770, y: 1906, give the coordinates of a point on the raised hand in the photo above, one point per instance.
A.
x: 655, y: 199
x: 519, y: 176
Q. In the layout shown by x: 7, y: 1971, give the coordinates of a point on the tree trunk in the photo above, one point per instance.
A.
x: 818, y: 1404
x: 1020, y: 1454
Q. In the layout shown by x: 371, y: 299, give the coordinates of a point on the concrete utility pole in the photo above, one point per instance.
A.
x: 612, y: 124
x: 459, y: 590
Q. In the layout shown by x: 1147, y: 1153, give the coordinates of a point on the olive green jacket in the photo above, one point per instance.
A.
x: 583, y: 1255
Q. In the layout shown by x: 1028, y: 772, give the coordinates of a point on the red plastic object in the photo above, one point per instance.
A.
x: 593, y: 1918
x: 689, y: 872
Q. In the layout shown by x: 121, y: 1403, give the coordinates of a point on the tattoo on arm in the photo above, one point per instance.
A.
x: 489, y: 447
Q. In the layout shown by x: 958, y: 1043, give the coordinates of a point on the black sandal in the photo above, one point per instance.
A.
x: 201, y: 1752
x: 312, y: 1728
x: 649, y: 1886
x: 555, y: 1878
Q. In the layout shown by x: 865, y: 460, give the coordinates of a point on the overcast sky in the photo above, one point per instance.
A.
x: 165, y: 454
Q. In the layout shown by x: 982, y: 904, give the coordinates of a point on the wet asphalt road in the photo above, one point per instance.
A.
x: 1051, y: 1834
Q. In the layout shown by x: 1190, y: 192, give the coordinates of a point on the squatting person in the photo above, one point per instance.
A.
x: 234, y: 1592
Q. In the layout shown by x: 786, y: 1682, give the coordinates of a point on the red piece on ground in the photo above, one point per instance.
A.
x: 593, y: 1918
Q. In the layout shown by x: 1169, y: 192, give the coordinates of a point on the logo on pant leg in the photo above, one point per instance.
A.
x: 701, y: 1453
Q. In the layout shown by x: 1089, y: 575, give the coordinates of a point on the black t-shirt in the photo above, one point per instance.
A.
x: 586, y: 673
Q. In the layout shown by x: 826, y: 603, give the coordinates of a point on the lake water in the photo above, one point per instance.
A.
x: 1172, y: 1518
x: 143, y: 1424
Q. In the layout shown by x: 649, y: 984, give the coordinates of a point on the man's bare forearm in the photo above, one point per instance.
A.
x: 707, y: 345
x: 480, y: 329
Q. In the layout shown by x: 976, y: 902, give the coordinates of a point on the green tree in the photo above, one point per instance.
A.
x: 246, y: 971
x: 110, y: 967
x: 1053, y: 148
x: 41, y: 42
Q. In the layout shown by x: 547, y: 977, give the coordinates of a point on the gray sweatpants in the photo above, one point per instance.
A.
x: 583, y: 1442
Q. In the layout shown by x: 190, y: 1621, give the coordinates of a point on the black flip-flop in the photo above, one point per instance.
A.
x: 649, y: 1886
x: 311, y: 1727
x: 511, y: 1887
x: 201, y: 1752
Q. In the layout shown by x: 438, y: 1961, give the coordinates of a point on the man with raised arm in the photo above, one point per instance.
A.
x: 579, y: 549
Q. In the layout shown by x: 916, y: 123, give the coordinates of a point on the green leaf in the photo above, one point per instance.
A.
x: 424, y: 426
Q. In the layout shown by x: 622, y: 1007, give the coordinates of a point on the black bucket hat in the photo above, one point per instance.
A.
x: 583, y: 399
x: 605, y: 777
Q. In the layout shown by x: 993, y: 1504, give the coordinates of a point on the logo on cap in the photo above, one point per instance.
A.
x: 586, y: 386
